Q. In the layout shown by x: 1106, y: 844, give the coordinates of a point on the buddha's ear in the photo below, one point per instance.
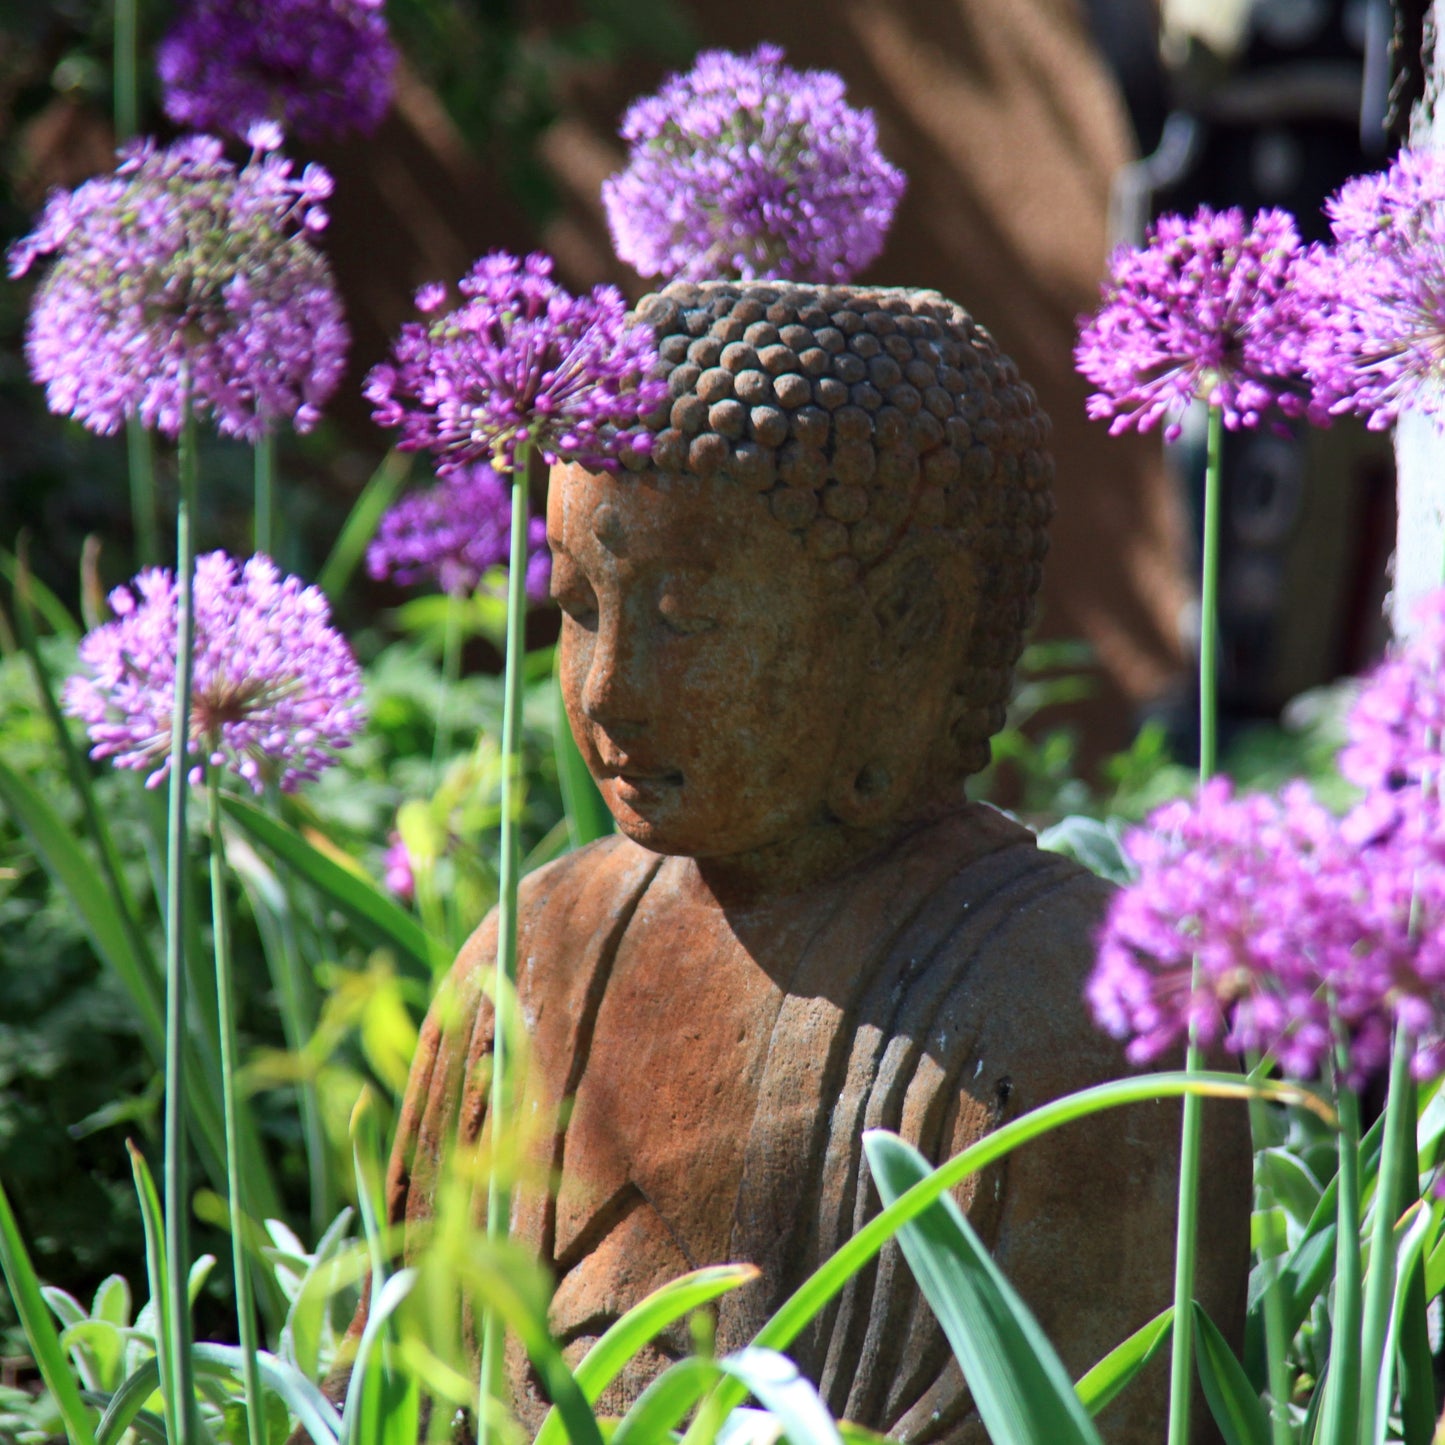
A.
x: 918, y: 629
x: 908, y: 602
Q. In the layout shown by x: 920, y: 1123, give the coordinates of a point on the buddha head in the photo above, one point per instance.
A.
x: 794, y: 619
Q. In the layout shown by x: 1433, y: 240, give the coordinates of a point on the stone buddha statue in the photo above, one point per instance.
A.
x: 788, y: 633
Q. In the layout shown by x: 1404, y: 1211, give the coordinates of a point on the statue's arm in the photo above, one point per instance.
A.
x: 1082, y: 1219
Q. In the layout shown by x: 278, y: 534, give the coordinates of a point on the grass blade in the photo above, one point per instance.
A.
x: 371, y: 912
x: 125, y: 1404
x: 40, y: 1332
x: 639, y: 1326
x: 1117, y: 1369
x: 75, y: 872
x: 157, y: 1278
x: 1233, y: 1401
x: 38, y: 597
x: 1019, y: 1385
x: 587, y: 815
x: 786, y: 1393
x: 360, y: 525
x: 665, y: 1401
x: 316, y: 1414
x: 372, y: 1383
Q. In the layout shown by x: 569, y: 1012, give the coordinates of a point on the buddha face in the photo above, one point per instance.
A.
x: 708, y: 671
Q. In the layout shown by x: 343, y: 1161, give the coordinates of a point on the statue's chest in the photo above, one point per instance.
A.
x: 667, y: 1098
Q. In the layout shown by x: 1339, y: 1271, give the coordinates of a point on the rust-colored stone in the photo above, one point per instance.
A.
x: 805, y: 929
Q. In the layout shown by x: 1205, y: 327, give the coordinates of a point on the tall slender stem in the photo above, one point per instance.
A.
x: 1380, y: 1287
x: 1340, y: 1417
x: 1181, y: 1365
x: 127, y: 107
x: 177, y: 1204
x: 230, y: 1107
x: 1209, y: 600
x: 499, y: 1201
x: 1276, y: 1336
x: 140, y: 465
x: 262, y: 523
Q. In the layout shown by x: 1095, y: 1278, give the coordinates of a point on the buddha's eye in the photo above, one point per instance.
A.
x: 685, y: 615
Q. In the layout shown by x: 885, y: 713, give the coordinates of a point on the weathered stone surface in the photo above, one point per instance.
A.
x: 806, y: 929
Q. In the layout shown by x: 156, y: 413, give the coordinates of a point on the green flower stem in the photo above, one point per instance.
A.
x: 235, y: 1174
x: 1276, y: 1337
x: 127, y: 109
x: 1181, y: 1361
x: 1380, y: 1288
x: 1209, y: 600
x: 181, y: 1408
x: 1340, y: 1417
x: 262, y: 525
x: 499, y: 1194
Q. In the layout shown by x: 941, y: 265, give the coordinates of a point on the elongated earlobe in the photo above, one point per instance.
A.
x: 866, y: 796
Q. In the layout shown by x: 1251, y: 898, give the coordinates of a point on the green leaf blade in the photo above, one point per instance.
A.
x: 1019, y: 1385
x: 1233, y: 1401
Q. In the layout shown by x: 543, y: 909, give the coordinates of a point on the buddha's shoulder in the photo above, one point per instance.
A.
x: 602, y: 875
x: 582, y: 893
x: 1024, y: 941
x: 991, y: 868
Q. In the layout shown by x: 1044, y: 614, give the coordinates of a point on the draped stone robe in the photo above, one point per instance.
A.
x: 703, y: 1074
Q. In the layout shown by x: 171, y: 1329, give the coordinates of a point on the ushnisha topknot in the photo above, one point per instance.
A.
x: 866, y: 418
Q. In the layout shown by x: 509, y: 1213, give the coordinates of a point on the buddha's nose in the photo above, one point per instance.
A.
x: 615, y: 690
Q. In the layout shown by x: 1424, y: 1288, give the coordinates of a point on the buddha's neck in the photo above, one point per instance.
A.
x: 782, y: 870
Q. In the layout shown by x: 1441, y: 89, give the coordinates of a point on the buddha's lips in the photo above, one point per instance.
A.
x: 635, y: 776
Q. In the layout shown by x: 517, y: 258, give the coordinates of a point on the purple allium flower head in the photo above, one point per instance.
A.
x: 1205, y: 310
x: 180, y: 270
x: 1299, y: 927
x: 275, y: 691
x: 520, y: 360
x: 322, y: 68
x: 745, y: 168
x: 1395, y: 733
x: 1376, y: 342
x: 454, y: 532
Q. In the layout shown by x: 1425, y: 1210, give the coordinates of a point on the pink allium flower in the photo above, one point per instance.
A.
x: 1376, y: 343
x: 180, y: 272
x: 1395, y: 733
x: 520, y: 360
x: 275, y: 691
x: 453, y: 533
x: 322, y: 68
x: 1204, y: 311
x: 746, y: 168
x: 1301, y: 923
